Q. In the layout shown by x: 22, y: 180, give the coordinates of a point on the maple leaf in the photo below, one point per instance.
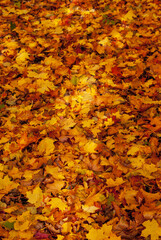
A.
x: 18, y: 234
x: 99, y: 234
x: 105, y: 41
x: 58, y: 203
x: 128, y: 16
x: 55, y: 187
x: 90, y: 147
x: 89, y: 209
x: 116, y: 71
x: 46, y: 146
x: 80, y: 90
x: 23, y: 221
x: 59, y: 237
x: 133, y: 150
x: 152, y: 229
x: 112, y: 183
x: 147, y: 170
x: 35, y: 197
x: 68, y: 123
x: 8, y: 225
x: 52, y: 121
x: 22, y: 57
x: 6, y: 184
x: 55, y: 172
x: 67, y: 227
x: 40, y: 235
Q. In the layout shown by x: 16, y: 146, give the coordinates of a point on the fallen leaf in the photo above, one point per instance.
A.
x: 152, y: 229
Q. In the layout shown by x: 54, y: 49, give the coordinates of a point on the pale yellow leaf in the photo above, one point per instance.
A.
x: 89, y: 209
x: 68, y: 123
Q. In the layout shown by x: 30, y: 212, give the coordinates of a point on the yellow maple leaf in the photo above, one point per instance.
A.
x: 129, y: 34
x: 90, y: 147
x: 44, y: 85
x: 67, y: 227
x: 60, y: 106
x: 46, y: 146
x: 94, y: 197
x: 113, y: 183
x: 109, y: 122
x: 7, y: 184
x: 128, y: 16
x: 15, y: 173
x: 57, y: 203
x: 87, y: 123
x: 137, y: 162
x: 105, y: 41
x: 22, y: 57
x: 35, y: 197
x: 11, y: 209
x: 1, y: 167
x: 23, y: 221
x: 4, y: 140
x: 55, y: 63
x: 99, y: 234
x: 22, y: 225
x: 100, y: 49
x: 20, y: 235
x: 11, y: 45
x: 133, y: 150
x: 52, y: 121
x: 59, y: 237
x: 55, y: 172
x: 33, y: 74
x: 147, y: 169
x: 28, y: 174
x: 152, y: 229
x: 108, y: 64
x: 55, y: 187
x: 116, y: 34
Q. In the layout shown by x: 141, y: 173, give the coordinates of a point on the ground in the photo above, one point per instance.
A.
x: 80, y: 120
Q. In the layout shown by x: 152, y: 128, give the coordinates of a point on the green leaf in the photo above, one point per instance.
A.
x: 18, y: 3
x: 74, y: 80
x: 112, y: 22
x: 108, y: 21
x: 2, y: 106
x: 110, y: 199
x: 107, y: 7
x: 12, y: 26
x: 8, y: 225
x: 13, y: 120
x: 104, y: 20
x: 105, y: 16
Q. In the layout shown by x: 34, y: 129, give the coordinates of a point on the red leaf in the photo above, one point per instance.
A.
x: 40, y: 235
x: 116, y: 71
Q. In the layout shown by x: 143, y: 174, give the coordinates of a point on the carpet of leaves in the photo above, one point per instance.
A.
x: 80, y: 119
